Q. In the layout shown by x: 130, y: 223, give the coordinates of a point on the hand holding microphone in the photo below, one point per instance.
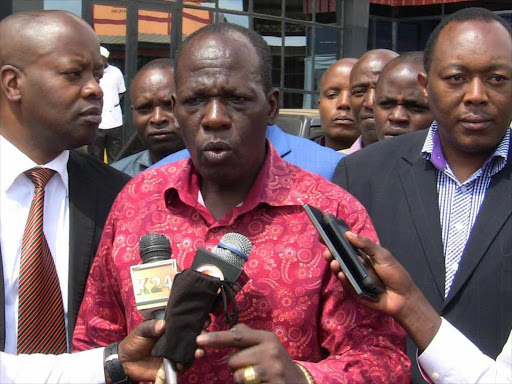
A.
x: 195, y: 294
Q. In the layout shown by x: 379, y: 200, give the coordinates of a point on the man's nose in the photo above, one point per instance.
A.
x: 369, y: 98
x: 215, y: 115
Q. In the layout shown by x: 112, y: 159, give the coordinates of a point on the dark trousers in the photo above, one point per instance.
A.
x: 109, y: 140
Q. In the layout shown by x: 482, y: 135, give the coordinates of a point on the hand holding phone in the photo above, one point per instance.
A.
x: 332, y: 230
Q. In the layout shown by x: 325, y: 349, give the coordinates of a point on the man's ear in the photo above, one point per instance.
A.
x: 423, y: 82
x: 273, y: 102
x: 11, y: 79
x: 173, y: 103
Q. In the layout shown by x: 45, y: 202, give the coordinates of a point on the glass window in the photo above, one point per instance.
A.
x: 299, y: 9
x: 293, y: 100
x: 327, y: 46
x: 154, y: 36
x: 237, y: 19
x: 295, y: 52
x: 408, y: 37
x: 109, y: 23
x: 267, y: 7
x: 235, y: 5
x: 205, y: 3
x: 271, y: 32
x: 194, y: 19
x: 383, y: 34
x: 74, y: 6
x: 425, y: 29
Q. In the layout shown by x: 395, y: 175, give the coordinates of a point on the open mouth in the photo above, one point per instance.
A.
x: 217, y: 151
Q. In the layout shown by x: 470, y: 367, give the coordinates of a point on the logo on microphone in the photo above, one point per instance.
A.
x: 211, y: 270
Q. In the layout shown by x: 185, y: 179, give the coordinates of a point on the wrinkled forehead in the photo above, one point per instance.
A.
x: 217, y: 51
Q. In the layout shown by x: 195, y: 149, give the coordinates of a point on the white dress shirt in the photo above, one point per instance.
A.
x: 112, y: 85
x: 16, y: 193
x: 452, y: 358
x: 82, y: 367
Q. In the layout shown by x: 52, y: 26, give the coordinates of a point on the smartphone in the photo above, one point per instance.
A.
x: 332, y: 230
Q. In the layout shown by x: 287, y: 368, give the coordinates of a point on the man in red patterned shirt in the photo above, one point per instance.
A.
x: 298, y: 325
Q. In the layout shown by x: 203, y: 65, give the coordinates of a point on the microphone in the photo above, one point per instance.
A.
x: 152, y: 280
x: 195, y: 295
x: 226, y: 259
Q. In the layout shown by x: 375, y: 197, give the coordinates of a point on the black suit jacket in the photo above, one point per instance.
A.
x: 93, y: 186
x: 399, y: 189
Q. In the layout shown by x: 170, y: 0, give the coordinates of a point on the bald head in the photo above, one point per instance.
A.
x: 50, y: 99
x: 334, y: 107
x: 338, y: 69
x: 400, y: 105
x: 25, y: 36
x: 363, y: 81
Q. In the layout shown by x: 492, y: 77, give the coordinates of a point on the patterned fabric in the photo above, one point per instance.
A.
x: 291, y: 290
x: 459, y: 203
x: 41, y: 324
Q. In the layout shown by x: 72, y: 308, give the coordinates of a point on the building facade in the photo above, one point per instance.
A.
x: 305, y: 36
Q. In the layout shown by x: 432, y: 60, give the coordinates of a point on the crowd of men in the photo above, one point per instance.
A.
x: 437, y: 199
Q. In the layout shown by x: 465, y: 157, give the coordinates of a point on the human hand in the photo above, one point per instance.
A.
x: 260, y: 349
x: 135, y: 351
x: 399, y: 289
x: 400, y: 298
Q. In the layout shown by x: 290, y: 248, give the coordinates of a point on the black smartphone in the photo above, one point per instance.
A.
x: 332, y: 230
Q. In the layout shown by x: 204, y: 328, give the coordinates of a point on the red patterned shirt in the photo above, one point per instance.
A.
x: 291, y: 291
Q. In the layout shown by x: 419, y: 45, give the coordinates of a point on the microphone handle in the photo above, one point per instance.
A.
x: 171, y: 376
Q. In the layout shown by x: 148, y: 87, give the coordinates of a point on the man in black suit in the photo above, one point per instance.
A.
x: 441, y: 199
x: 50, y: 103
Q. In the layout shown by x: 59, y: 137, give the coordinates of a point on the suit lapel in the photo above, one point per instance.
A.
x: 494, y: 212
x: 419, y: 180
x: 82, y: 217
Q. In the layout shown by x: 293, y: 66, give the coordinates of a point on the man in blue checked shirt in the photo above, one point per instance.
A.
x: 441, y: 199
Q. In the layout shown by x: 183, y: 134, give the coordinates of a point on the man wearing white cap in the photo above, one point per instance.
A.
x: 109, y: 134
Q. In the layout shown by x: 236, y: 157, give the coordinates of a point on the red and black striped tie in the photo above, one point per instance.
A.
x: 41, y: 325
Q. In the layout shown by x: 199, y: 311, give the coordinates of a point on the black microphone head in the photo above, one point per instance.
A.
x: 154, y: 247
x: 233, y: 248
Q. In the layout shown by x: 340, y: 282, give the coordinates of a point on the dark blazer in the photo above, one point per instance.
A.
x: 93, y: 186
x: 399, y: 189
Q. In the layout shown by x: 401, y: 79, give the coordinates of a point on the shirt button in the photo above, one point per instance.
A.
x: 459, y: 226
x: 435, y: 376
x: 455, y: 267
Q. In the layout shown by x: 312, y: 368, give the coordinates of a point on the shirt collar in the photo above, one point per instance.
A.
x: 272, y: 186
x: 433, y: 150
x: 19, y: 163
x: 356, y: 146
x: 144, y: 160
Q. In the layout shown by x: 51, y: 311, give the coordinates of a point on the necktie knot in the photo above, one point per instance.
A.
x: 40, y: 176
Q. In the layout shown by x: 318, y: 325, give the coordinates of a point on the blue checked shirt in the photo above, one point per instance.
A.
x: 459, y: 203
